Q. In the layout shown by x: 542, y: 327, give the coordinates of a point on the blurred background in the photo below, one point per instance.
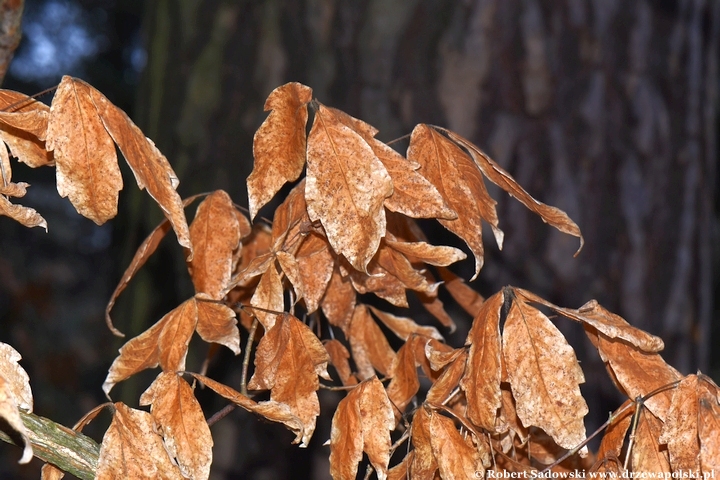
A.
x: 607, y: 109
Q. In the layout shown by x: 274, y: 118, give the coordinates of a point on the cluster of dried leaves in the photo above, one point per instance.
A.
x: 508, y: 400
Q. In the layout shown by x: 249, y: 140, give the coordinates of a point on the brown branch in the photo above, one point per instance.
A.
x: 68, y: 450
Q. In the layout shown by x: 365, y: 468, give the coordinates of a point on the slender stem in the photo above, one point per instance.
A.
x: 246, y: 357
x: 221, y: 414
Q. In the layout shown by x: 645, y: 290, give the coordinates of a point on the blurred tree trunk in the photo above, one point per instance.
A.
x: 604, y: 108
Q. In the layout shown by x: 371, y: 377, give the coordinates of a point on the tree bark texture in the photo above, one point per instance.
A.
x: 606, y: 109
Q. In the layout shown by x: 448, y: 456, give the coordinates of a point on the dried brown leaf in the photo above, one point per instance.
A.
x: 614, y: 438
x: 681, y: 426
x: 456, y: 458
x: 495, y: 173
x: 51, y: 472
x: 288, y: 361
x: 432, y: 254
x: 151, y: 169
x: 269, y: 297
x: 709, y: 426
x: 165, y: 343
x: 339, y: 356
x: 11, y: 424
x: 131, y: 448
x: 544, y: 375
x: 404, y: 327
x: 464, y: 295
x: 362, y: 423
x: 481, y: 382
x: 24, y: 215
x: 181, y: 423
x: 215, y: 233
x: 460, y: 184
x: 423, y: 465
x: 448, y: 380
x: 338, y: 303
x: 217, y: 324
x: 87, y: 169
x: 613, y: 326
x: 279, y: 144
x: 413, y: 195
x: 345, y: 188
x: 405, y: 383
x: 637, y: 373
x: 315, y: 268
x: 271, y: 410
x: 26, y: 139
x: 16, y: 378
x: 647, y: 454
x: 370, y: 348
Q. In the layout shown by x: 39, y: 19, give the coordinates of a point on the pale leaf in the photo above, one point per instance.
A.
x: 24, y: 215
x: 544, y: 375
x: 181, y: 423
x: 362, y: 423
x: 26, y: 146
x: 345, y: 188
x: 279, y: 144
x: 86, y: 163
x: 131, y: 448
x: 11, y: 424
x: 17, y: 380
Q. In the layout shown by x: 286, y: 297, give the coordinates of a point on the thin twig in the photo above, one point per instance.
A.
x: 398, y: 139
x: 246, y: 357
x: 221, y: 414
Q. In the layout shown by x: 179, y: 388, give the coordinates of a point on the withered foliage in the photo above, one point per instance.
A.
x: 508, y: 400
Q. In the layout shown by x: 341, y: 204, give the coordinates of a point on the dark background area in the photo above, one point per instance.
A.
x: 606, y: 109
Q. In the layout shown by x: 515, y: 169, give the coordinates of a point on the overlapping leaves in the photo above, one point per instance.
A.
x: 508, y: 400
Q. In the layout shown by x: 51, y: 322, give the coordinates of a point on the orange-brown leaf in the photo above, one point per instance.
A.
x: 495, y: 173
x: 464, y: 295
x: 709, y: 426
x: 23, y: 127
x: 647, y: 454
x: 279, y: 144
x: 25, y: 215
x: 481, y: 382
x: 544, y: 375
x: 680, y: 429
x: 269, y: 297
x: 370, y: 348
x: 638, y: 373
x: 339, y: 356
x: 86, y: 163
x: 362, y: 422
x: 460, y: 184
x: 217, y: 324
x: 432, y: 254
x: 17, y: 380
x: 423, y: 465
x: 614, y: 438
x: 338, y: 303
x: 315, y: 268
x: 456, y: 459
x: 345, y: 188
x: 181, y: 423
x: 131, y: 448
x: 403, y: 327
x: 165, y: 343
x: 613, y: 326
x: 215, y: 233
x: 151, y: 169
x: 405, y: 383
x: 288, y: 361
x: 10, y: 422
x: 271, y: 410
x: 413, y: 195
x: 448, y: 380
